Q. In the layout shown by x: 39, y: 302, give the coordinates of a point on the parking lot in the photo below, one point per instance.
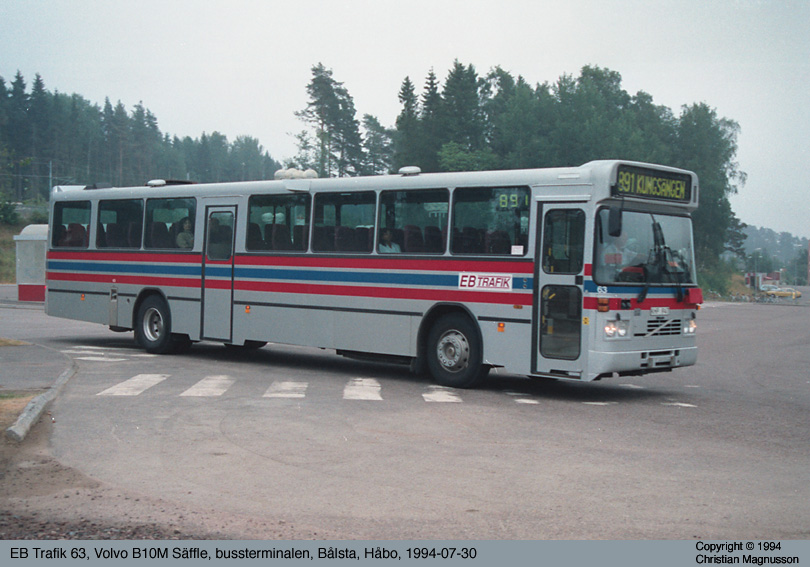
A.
x: 298, y: 443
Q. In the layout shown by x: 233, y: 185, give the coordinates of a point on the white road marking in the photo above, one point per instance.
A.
x: 679, y: 405
x: 441, y: 394
x: 600, y: 403
x: 287, y: 390
x: 135, y: 385
x: 103, y: 354
x: 519, y: 399
x: 210, y: 386
x: 362, y: 389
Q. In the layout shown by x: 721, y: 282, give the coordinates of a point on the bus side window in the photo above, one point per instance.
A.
x: 166, y: 220
x: 114, y: 221
x: 490, y: 221
x: 344, y: 222
x: 278, y: 223
x: 414, y: 222
x: 71, y: 224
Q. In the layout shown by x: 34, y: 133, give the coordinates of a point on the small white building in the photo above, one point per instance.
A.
x: 32, y: 246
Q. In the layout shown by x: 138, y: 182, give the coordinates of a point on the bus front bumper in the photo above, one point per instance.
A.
x: 636, y: 363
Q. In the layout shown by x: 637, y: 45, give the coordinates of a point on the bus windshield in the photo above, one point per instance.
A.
x: 652, y: 248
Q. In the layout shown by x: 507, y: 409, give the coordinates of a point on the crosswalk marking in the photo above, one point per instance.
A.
x: 103, y: 354
x: 521, y: 399
x: 441, y: 394
x: 362, y: 389
x: 210, y: 386
x: 368, y: 389
x: 135, y: 385
x: 287, y: 390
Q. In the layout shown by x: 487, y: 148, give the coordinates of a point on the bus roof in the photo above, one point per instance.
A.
x: 589, y: 174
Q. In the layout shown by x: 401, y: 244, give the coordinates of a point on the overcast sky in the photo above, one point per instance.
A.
x: 241, y: 67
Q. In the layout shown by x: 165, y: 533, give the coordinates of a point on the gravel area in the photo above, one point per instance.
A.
x: 44, y: 500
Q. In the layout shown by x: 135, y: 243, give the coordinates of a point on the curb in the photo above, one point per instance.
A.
x: 32, y: 412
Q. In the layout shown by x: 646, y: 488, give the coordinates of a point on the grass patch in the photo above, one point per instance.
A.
x: 12, y: 342
x: 11, y: 406
x: 8, y: 252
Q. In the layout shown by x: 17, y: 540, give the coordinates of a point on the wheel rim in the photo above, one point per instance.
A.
x: 453, y: 351
x: 153, y: 324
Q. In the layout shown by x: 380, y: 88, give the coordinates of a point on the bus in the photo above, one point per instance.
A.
x: 575, y: 273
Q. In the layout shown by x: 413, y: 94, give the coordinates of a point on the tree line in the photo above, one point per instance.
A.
x: 51, y: 138
x: 474, y: 121
x: 769, y: 251
x: 468, y: 121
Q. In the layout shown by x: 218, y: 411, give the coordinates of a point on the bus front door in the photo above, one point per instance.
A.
x: 217, y: 308
x: 560, y: 275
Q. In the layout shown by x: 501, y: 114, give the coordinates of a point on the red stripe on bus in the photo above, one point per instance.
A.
x: 615, y: 303
x: 132, y: 280
x: 308, y: 289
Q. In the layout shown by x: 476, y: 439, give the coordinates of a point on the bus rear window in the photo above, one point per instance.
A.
x: 490, y: 220
x: 71, y: 224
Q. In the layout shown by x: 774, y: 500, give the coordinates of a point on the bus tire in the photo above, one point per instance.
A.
x: 153, y: 328
x: 454, y: 352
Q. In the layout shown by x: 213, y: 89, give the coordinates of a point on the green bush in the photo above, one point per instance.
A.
x: 8, y: 213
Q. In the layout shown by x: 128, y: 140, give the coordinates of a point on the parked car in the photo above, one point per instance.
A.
x: 784, y: 292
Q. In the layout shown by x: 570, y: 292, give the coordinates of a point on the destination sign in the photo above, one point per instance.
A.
x: 651, y: 184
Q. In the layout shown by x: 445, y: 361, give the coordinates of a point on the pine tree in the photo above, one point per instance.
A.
x: 377, y: 145
x: 331, y: 113
x: 406, y: 139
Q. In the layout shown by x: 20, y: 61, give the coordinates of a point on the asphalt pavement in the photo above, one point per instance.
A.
x: 27, y: 367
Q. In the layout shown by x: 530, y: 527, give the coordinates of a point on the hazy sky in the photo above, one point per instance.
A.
x: 241, y: 67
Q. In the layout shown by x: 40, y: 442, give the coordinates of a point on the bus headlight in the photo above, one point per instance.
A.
x: 617, y: 329
x: 690, y: 327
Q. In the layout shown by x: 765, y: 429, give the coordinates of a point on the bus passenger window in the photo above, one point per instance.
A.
x: 116, y: 223
x: 490, y: 220
x: 413, y: 222
x: 278, y: 222
x: 344, y: 222
x: 166, y: 220
x: 71, y: 224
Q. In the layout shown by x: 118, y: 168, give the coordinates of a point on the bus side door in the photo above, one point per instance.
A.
x: 559, y: 348
x: 218, y: 270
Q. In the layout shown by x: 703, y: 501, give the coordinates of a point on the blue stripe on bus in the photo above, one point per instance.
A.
x: 593, y: 287
x: 349, y: 277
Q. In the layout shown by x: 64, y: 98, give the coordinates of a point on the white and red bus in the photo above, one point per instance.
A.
x: 573, y: 273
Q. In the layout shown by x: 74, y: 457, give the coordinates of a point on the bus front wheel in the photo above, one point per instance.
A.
x: 454, y: 353
x: 153, y: 330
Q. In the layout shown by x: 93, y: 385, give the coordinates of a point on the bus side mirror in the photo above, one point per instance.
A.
x: 614, y: 221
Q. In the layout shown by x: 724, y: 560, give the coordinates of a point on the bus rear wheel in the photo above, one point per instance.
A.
x: 454, y: 353
x: 153, y: 329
